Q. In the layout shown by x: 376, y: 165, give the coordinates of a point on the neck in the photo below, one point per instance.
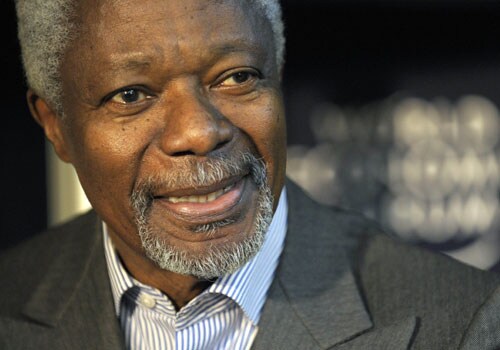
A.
x: 180, y: 289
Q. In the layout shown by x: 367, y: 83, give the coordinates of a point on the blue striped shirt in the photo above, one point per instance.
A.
x: 224, y: 316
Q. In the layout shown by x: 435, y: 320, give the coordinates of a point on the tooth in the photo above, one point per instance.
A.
x: 201, y: 199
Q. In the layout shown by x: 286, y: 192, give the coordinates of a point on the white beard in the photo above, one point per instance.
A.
x: 222, y: 259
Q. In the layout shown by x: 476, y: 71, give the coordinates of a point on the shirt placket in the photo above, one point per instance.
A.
x: 161, y: 314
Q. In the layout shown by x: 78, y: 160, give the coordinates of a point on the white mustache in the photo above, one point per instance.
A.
x: 196, y: 175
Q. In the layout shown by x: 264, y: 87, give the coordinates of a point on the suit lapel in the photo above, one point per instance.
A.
x: 73, y: 300
x: 330, y: 306
x: 280, y: 327
x: 484, y: 331
x: 315, y: 302
x: 54, y: 293
x: 397, y: 336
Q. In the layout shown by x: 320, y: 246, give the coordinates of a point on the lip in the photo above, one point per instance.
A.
x: 201, y: 213
x: 199, y: 191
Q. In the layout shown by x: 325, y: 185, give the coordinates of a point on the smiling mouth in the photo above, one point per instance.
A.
x: 204, y: 205
x: 205, y: 198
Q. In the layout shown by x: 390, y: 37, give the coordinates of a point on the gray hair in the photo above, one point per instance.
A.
x: 45, y: 28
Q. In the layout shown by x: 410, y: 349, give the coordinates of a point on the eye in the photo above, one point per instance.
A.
x: 239, y: 78
x: 129, y: 96
x: 129, y: 100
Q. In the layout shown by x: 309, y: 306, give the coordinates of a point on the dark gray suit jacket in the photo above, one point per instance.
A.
x: 340, y: 284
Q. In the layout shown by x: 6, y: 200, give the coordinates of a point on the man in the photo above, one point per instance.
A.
x: 172, y: 115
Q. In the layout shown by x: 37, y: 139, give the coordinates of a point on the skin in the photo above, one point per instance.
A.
x: 206, y: 84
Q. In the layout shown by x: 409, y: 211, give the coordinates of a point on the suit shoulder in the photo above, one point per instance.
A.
x: 24, y: 265
x: 400, y: 280
x: 333, y: 225
x: 384, y: 255
x: 46, y: 242
x: 397, y: 281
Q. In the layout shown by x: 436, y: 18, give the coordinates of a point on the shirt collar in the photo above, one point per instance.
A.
x: 247, y: 286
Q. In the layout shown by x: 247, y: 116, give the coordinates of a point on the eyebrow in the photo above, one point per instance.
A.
x: 131, y: 61
x: 236, y: 46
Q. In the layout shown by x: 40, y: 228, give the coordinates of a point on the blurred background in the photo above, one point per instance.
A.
x: 392, y: 111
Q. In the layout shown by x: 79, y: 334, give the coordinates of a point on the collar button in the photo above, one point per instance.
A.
x: 147, y: 301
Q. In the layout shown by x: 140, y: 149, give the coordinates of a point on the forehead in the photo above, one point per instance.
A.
x: 116, y: 26
x: 124, y: 10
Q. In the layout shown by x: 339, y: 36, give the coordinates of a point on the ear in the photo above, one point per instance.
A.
x: 50, y: 122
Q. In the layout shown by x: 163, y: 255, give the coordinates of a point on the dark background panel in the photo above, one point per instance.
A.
x: 23, y: 164
x: 356, y: 52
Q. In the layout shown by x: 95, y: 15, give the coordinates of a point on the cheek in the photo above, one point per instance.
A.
x: 106, y: 160
x: 275, y: 143
x: 268, y: 134
x: 263, y: 122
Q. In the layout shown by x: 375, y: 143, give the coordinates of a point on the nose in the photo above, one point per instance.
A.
x: 194, y: 126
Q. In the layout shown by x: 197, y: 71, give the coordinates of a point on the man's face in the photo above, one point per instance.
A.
x: 158, y: 95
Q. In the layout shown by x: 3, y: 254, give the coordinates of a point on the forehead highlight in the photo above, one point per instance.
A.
x: 140, y: 60
x: 145, y: 33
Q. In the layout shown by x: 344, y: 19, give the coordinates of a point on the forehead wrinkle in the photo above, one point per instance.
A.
x: 132, y: 61
x: 238, y: 45
x: 129, y: 62
x: 140, y: 61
